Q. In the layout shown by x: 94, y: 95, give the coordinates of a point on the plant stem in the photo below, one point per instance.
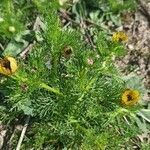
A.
x: 87, y: 88
x: 41, y: 85
x: 45, y: 86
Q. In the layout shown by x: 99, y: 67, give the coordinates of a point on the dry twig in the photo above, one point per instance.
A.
x: 36, y: 27
x: 23, y: 133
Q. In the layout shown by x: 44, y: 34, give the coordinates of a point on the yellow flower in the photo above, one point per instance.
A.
x: 8, y: 65
x: 119, y: 37
x: 130, y: 97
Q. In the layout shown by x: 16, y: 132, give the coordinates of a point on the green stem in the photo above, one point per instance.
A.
x: 87, y: 88
x: 41, y: 85
x: 45, y: 86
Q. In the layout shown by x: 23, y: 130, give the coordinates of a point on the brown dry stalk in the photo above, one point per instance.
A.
x: 23, y: 133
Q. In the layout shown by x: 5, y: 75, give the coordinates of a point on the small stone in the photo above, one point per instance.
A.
x: 110, y: 23
x: 19, y: 127
x: 119, y: 28
x: 131, y: 47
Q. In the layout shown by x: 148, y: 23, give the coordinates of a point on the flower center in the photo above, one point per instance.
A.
x: 68, y: 52
x: 129, y: 97
x: 6, y: 64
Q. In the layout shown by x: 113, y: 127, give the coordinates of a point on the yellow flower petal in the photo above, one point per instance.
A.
x: 8, y: 65
x: 130, y: 97
x: 119, y: 36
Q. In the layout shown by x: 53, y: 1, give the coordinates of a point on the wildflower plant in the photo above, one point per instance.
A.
x: 74, y: 94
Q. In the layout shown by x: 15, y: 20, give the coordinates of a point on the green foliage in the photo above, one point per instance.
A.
x: 115, y: 6
x: 102, y: 11
x: 15, y: 25
x: 9, y: 19
x: 121, y: 5
x: 73, y: 98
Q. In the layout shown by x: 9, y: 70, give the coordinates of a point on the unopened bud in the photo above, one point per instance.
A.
x: 1, y: 19
x: 90, y: 61
x: 62, y: 2
x: 12, y: 29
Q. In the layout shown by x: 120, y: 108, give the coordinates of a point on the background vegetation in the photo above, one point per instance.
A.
x: 67, y: 86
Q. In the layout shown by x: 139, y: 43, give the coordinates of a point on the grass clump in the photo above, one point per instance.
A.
x: 72, y: 93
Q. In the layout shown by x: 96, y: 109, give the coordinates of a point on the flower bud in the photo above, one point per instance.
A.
x: 1, y: 19
x: 12, y: 29
x: 90, y: 61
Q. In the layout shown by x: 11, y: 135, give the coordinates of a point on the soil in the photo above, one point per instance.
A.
x: 137, y: 60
